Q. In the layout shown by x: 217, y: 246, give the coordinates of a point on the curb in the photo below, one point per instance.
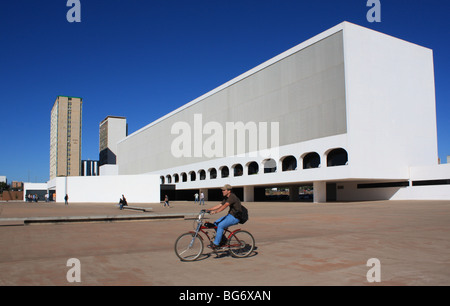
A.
x: 79, y: 219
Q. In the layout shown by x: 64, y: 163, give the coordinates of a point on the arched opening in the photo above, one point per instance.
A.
x: 169, y: 179
x: 253, y: 168
x: 162, y: 180
x: 289, y: 163
x: 176, y: 178
x: 192, y: 175
x: 184, y: 177
x: 238, y: 170
x: 311, y: 160
x: 212, y: 173
x: 337, y: 157
x: 202, y: 175
x: 224, y: 172
x: 270, y: 165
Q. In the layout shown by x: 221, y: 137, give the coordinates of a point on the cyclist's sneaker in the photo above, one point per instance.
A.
x: 213, y: 246
x: 223, y: 241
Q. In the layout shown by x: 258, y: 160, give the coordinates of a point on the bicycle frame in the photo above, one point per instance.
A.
x: 201, y: 228
x: 189, y: 246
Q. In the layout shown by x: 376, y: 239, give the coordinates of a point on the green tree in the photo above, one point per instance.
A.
x: 3, y: 186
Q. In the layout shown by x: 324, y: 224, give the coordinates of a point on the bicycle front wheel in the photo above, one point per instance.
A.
x: 188, y: 247
x: 241, y: 244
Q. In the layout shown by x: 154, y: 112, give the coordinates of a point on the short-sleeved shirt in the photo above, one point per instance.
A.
x: 235, y: 205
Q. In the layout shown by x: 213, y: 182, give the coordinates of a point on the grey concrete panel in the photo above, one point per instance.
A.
x: 304, y: 92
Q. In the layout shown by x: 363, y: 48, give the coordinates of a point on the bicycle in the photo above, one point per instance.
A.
x: 189, y: 246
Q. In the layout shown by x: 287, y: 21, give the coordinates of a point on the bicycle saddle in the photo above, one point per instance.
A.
x: 209, y: 225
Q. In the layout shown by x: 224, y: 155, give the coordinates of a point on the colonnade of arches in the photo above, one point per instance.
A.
x: 309, y: 160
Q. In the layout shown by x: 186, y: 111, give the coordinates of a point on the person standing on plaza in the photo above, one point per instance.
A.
x: 196, y: 198
x: 202, y: 198
x: 66, y: 199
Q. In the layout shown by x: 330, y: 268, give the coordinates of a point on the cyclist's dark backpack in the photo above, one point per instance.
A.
x: 243, y: 215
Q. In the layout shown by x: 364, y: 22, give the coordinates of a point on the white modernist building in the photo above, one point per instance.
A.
x: 350, y: 111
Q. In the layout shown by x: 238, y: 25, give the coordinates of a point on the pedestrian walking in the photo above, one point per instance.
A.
x: 166, y: 201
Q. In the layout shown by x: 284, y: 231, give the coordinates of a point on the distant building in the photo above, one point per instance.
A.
x: 65, y: 137
x: 16, y: 185
x: 89, y: 167
x: 112, y: 129
x: 3, y: 179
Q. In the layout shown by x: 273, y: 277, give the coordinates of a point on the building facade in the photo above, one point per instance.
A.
x: 350, y: 112
x: 89, y: 168
x: 112, y: 129
x: 65, y: 137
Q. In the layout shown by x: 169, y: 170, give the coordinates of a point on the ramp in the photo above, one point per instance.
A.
x: 138, y: 208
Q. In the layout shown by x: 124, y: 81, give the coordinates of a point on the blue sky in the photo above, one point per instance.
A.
x: 142, y: 59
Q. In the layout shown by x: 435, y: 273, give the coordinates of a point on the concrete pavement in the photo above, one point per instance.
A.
x: 297, y: 244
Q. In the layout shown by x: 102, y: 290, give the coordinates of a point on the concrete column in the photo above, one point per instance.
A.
x: 293, y: 193
x: 249, y: 193
x: 320, y: 192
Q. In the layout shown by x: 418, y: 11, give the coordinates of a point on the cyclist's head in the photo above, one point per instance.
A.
x: 227, y: 187
x: 226, y: 190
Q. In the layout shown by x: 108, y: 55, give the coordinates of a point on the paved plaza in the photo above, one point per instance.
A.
x: 297, y: 244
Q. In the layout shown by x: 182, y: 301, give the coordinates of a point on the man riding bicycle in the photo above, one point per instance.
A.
x: 232, y: 218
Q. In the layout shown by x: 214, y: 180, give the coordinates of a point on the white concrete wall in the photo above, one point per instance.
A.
x: 117, y: 130
x: 390, y: 94
x: 109, y: 170
x: 350, y: 192
x: 436, y: 172
x: 437, y: 192
x: 109, y: 189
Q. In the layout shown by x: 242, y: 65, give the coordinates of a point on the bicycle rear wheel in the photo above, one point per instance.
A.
x: 188, y: 247
x: 241, y: 244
